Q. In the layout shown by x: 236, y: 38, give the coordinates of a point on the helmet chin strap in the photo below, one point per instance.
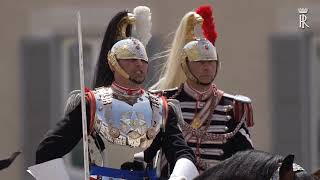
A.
x: 112, y: 60
x: 127, y: 76
x: 193, y: 78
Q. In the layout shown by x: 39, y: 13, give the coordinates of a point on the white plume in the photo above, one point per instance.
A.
x: 142, y: 27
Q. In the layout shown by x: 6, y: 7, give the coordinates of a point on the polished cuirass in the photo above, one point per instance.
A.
x: 125, y: 128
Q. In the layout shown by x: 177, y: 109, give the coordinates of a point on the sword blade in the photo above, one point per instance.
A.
x: 83, y: 102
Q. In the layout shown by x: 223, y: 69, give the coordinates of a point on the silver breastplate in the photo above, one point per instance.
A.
x: 125, y: 129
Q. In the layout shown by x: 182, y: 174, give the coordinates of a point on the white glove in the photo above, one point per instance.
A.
x: 178, y: 178
x: 184, y: 170
x: 139, y: 156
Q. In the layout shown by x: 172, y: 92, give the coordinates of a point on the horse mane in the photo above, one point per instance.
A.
x: 248, y: 165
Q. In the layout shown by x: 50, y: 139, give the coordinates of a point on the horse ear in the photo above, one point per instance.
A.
x: 286, y: 169
x: 317, y: 174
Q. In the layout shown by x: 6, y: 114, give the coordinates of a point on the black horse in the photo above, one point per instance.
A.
x: 256, y: 165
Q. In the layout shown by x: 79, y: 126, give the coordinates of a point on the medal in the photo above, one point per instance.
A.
x: 150, y: 133
x: 114, y: 132
x: 196, y: 123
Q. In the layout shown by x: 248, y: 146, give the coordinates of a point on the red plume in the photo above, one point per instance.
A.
x: 208, y: 25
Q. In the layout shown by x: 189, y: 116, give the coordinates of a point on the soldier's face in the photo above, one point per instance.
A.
x: 204, y: 71
x: 136, y: 68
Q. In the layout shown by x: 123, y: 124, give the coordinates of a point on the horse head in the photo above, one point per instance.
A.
x: 257, y: 165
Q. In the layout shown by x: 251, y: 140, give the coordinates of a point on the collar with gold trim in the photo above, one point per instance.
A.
x: 199, y: 96
x: 127, y: 91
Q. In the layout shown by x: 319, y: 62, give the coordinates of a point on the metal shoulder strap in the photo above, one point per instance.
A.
x: 159, y: 107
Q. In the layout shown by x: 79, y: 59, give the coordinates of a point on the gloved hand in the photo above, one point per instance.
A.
x: 178, y: 178
x: 184, y: 170
x: 139, y: 156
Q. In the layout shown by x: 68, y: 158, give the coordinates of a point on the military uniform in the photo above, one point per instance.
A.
x: 214, y: 124
x: 120, y: 126
x: 122, y: 121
